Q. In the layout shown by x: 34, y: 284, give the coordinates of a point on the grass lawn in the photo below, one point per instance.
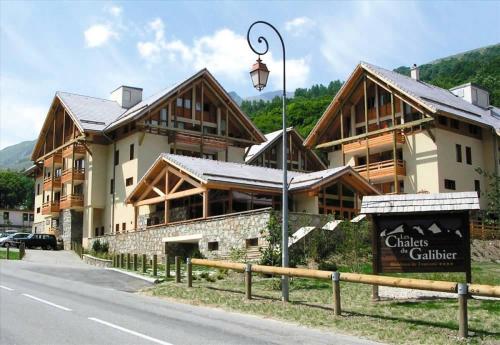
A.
x: 432, y: 321
x: 13, y: 253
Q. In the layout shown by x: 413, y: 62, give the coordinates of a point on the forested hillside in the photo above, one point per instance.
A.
x: 481, y: 66
x: 16, y: 157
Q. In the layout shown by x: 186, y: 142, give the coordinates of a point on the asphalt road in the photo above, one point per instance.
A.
x: 54, y: 298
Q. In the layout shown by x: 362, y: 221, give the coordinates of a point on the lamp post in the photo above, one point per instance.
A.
x: 259, y: 74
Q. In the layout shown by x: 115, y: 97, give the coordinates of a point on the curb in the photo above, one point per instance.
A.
x: 135, y: 275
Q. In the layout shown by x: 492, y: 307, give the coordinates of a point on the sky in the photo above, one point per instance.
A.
x: 91, y: 48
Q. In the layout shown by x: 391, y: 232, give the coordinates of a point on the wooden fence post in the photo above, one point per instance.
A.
x: 22, y: 250
x: 248, y: 281
x: 177, y: 269
x: 155, y: 265
x: 129, y: 264
x: 135, y: 262
x: 144, y: 263
x: 8, y: 252
x: 336, y: 293
x: 167, y: 266
x: 189, y: 272
x: 122, y: 260
x: 463, y: 328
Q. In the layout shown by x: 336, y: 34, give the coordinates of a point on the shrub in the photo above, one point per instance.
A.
x: 96, y: 246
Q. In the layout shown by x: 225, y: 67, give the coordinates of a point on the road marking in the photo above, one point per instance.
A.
x: 6, y: 288
x: 46, y: 302
x: 137, y: 334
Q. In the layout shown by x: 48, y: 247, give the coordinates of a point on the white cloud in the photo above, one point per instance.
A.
x: 299, y: 26
x: 225, y: 53
x: 362, y: 35
x: 115, y: 11
x: 98, y: 35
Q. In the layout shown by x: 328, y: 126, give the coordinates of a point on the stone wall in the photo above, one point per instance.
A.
x: 230, y: 231
x: 91, y: 260
x: 71, y: 223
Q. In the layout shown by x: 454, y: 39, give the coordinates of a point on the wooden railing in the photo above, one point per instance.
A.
x: 51, y: 182
x: 73, y: 174
x: 71, y: 201
x: 79, y: 149
x: 462, y: 290
x: 55, y: 158
x: 481, y: 231
x: 50, y: 207
x: 378, y: 141
x: 382, y: 169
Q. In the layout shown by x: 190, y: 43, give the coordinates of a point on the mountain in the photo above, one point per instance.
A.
x: 480, y: 66
x: 269, y: 96
x: 17, y: 157
x: 236, y: 97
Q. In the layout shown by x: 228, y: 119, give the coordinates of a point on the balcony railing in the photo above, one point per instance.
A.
x: 71, y: 201
x: 77, y: 175
x: 50, y: 183
x: 379, y: 141
x: 55, y: 158
x: 49, y: 208
x: 78, y: 149
x: 382, y: 169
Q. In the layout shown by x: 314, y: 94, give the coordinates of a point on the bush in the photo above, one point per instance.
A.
x: 96, y: 246
x: 327, y: 266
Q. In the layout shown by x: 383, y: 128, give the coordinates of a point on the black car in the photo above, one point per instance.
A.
x: 45, y: 241
x: 14, y: 239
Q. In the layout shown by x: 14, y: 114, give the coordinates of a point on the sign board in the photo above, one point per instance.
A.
x: 424, y: 242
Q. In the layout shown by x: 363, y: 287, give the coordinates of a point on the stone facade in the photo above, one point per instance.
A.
x: 229, y: 231
x: 71, y: 223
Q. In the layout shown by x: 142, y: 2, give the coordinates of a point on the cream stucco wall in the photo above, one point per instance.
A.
x: 235, y: 154
x: 421, y: 156
x: 38, y: 200
x: 305, y: 203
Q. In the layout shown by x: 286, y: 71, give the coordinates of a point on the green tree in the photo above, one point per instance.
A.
x: 16, y: 190
x: 491, y: 214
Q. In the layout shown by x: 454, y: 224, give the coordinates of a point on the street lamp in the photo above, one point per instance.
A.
x: 259, y: 74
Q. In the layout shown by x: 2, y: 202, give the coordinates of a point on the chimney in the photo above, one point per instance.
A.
x: 127, y: 96
x: 415, y: 72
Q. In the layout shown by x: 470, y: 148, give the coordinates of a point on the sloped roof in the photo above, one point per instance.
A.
x: 255, y: 150
x: 208, y: 171
x: 434, y: 97
x: 91, y: 113
x: 408, y: 203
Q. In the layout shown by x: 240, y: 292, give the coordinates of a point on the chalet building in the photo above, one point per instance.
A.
x: 406, y: 136
x: 16, y: 219
x: 180, y: 198
x: 91, y: 152
x: 268, y: 154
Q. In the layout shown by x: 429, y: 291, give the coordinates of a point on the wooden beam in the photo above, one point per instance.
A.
x: 149, y: 201
x: 394, y: 143
x: 366, y: 131
x: 205, y: 204
x: 149, y: 186
x: 61, y: 147
x: 178, y: 184
x: 185, y: 193
x: 374, y: 133
x: 167, y: 190
x: 184, y: 176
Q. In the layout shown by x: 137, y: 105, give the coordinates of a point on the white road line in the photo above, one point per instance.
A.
x: 6, y: 288
x: 137, y: 334
x: 46, y: 302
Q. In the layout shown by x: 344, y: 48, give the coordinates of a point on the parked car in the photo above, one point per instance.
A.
x: 45, y: 241
x: 13, y: 240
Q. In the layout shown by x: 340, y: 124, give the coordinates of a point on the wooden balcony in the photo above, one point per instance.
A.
x: 383, y: 170
x: 55, y: 158
x: 77, y: 175
x: 78, y: 149
x: 72, y: 201
x: 50, y: 183
x: 379, y: 143
x: 50, y: 208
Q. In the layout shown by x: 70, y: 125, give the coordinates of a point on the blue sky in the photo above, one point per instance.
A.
x: 92, y: 47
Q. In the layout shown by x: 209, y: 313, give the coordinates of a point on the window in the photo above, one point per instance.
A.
x: 37, y: 210
x: 179, y: 102
x: 473, y: 129
x: 370, y: 102
x: 213, y: 246
x: 187, y: 103
x: 443, y: 120
x: 468, y: 155
x: 32, y: 217
x: 454, y: 124
x: 458, y: 152
x: 25, y: 217
x: 449, y: 184
x: 129, y: 181
x: 252, y: 242
x: 131, y: 152
x: 117, y: 228
x: 124, y: 226
x: 6, y: 216
x: 198, y: 106
x: 117, y: 157
x: 38, y: 189
x: 163, y: 116
x: 477, y: 187
x: 112, y: 186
